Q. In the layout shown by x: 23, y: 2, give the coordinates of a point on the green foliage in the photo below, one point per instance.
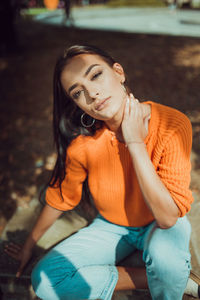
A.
x: 136, y: 3
x: 35, y: 11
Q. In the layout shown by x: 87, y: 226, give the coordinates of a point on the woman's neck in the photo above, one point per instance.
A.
x: 115, y: 124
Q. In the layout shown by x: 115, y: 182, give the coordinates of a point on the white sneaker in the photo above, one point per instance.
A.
x: 193, y: 285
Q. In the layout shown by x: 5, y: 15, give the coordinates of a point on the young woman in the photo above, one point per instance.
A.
x: 136, y: 159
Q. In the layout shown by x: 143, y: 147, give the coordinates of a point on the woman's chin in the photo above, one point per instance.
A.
x: 109, y: 113
x: 105, y: 117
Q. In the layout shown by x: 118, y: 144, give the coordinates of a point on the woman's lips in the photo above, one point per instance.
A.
x: 102, y: 103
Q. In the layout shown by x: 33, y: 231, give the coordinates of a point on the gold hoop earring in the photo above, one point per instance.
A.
x: 85, y: 124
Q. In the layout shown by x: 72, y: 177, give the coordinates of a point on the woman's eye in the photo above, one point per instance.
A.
x: 95, y: 76
x: 76, y: 95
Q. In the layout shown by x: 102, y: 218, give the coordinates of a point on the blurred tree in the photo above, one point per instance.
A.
x: 7, y: 32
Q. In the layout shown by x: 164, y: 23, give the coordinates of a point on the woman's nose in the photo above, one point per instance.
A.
x: 93, y: 94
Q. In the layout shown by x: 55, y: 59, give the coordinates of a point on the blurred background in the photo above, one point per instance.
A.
x: 157, y: 42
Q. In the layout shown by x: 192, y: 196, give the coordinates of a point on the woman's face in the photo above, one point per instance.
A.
x: 95, y: 86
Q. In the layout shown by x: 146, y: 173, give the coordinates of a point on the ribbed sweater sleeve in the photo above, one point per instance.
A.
x: 72, y: 184
x: 174, y: 166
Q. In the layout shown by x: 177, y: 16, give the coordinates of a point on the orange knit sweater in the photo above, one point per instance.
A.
x: 111, y: 176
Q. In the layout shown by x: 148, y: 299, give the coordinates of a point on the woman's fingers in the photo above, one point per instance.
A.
x: 20, y: 253
x: 26, y: 255
x: 131, y: 106
x: 126, y: 109
x: 133, y: 127
x: 20, y: 270
x: 13, y: 250
x: 12, y: 253
x: 19, y: 273
x: 134, y: 106
x: 14, y: 246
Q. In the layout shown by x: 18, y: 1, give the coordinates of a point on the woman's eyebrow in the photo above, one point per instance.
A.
x: 85, y: 74
x: 90, y: 68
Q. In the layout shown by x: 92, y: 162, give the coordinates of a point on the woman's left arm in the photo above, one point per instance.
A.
x: 157, y: 196
x: 155, y: 193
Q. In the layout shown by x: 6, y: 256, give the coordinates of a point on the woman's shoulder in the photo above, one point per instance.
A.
x: 168, y: 117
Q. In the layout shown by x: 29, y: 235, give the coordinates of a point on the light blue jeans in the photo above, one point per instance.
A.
x: 83, y: 266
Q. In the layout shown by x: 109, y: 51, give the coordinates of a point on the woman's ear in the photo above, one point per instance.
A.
x: 119, y: 71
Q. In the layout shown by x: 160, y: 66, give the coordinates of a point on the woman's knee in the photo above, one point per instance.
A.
x: 75, y: 285
x: 49, y: 274
x: 167, y: 263
x: 39, y: 276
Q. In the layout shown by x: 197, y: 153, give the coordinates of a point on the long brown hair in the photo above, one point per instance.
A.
x: 66, y: 114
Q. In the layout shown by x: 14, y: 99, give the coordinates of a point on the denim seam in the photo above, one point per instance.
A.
x: 106, y: 293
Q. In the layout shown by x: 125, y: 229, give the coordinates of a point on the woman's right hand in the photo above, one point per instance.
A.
x: 23, y: 253
x: 20, y: 253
